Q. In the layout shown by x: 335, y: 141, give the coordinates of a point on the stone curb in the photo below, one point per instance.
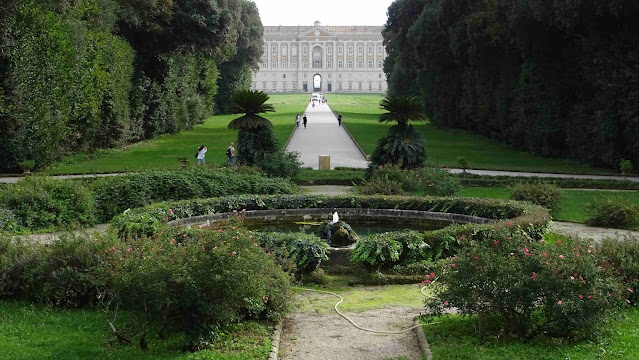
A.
x: 277, y: 331
x: 290, y: 137
x: 421, y: 340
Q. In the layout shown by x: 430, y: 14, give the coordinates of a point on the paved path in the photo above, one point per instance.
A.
x: 544, y: 175
x: 323, y: 136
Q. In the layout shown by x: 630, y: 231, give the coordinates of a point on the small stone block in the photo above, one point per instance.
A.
x: 324, y: 162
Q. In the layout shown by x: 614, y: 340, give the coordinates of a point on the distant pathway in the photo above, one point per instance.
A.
x: 543, y: 175
x: 323, y: 136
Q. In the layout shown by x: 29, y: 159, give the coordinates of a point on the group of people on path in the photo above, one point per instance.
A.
x: 304, y: 120
x: 201, y: 153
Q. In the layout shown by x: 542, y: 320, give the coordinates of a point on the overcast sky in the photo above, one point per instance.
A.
x: 328, y: 12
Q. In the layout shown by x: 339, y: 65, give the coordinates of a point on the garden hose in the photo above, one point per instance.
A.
x: 357, y: 326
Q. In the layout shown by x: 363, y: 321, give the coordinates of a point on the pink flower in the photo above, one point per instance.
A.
x: 452, y: 265
x: 426, y: 281
x: 582, y: 279
x: 630, y: 290
x: 228, y: 254
x: 173, y: 240
x: 509, y: 223
x: 581, y: 296
x: 446, y: 303
x: 166, y: 218
x: 562, y: 257
x: 589, y: 296
x: 526, y: 250
x: 547, y: 263
x: 534, y: 275
x: 234, y: 210
x: 219, y: 230
x: 558, y: 241
x: 233, y: 228
x: 127, y: 250
x: 559, y: 302
x: 255, y: 244
x: 544, y: 254
x: 518, y: 247
x: 121, y: 259
x: 171, y: 211
x: 628, y: 301
x: 214, y: 247
x: 234, y: 253
x: 512, y: 254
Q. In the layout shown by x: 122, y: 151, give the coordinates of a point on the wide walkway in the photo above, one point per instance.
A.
x: 323, y: 136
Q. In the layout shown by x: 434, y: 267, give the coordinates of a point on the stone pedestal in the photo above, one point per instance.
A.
x: 324, y: 162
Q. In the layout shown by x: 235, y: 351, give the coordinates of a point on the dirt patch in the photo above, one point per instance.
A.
x: 328, y: 336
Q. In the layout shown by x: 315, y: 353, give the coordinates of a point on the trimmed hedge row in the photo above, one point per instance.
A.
x: 146, y: 220
x: 39, y: 203
x: 566, y: 183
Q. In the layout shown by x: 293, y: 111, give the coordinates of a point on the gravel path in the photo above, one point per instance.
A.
x: 595, y: 233
x: 328, y: 336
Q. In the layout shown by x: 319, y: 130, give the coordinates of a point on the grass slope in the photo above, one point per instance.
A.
x: 453, y: 337
x: 38, y: 332
x: 162, y: 152
x: 443, y: 146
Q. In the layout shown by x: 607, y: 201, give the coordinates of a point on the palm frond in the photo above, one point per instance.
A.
x: 249, y: 122
x: 401, y: 109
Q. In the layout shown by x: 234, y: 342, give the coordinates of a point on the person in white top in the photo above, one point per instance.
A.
x: 200, y: 155
x: 297, y: 120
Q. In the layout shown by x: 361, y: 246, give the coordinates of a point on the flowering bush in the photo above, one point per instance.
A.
x: 532, y: 286
x: 198, y: 280
x: 621, y: 257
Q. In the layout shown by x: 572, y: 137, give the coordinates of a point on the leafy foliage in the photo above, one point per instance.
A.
x: 251, y: 103
x: 614, y: 214
x: 253, y: 144
x: 307, y: 251
x: 540, y: 193
x: 279, y: 164
x: 552, y: 78
x: 531, y: 287
x: 392, y: 180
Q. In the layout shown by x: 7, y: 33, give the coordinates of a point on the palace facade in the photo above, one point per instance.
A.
x: 321, y: 58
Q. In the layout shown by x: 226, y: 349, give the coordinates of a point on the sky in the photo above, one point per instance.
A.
x: 328, y: 12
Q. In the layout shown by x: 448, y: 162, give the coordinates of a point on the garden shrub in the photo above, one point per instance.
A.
x: 400, y: 145
x: 9, y: 222
x: 307, y: 251
x: 613, y: 213
x: 541, y: 193
x: 251, y: 143
x: 393, y: 180
x: 197, y: 281
x: 279, y: 164
x: 534, y: 287
x: 621, y: 257
x: 376, y: 250
x: 115, y: 194
x: 65, y: 273
x: 43, y: 203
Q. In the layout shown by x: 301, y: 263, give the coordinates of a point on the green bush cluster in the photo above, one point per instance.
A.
x: 541, y: 193
x: 117, y: 193
x: 279, y: 164
x: 38, y: 203
x: 530, y: 287
x: 307, y: 251
x: 44, y: 203
x: 621, y: 256
x: 393, y: 180
x: 193, y: 282
x: 613, y: 213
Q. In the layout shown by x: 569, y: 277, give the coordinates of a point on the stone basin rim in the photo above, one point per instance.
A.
x: 274, y: 214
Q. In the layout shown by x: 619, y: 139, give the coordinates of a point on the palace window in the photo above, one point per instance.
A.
x: 350, y: 50
x: 329, y: 50
x: 294, y: 63
x: 294, y: 50
x: 370, y: 50
x: 370, y: 64
x: 360, y: 50
x: 350, y: 64
x: 305, y: 50
x: 380, y: 64
x: 274, y: 50
x: 340, y: 64
x: 274, y: 63
x: 340, y: 50
x: 329, y: 64
x: 283, y: 64
x: 360, y: 64
x: 379, y: 49
x: 263, y: 50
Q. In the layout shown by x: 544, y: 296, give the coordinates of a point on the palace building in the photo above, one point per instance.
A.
x: 321, y: 58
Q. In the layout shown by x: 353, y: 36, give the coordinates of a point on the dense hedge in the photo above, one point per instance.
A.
x: 557, y: 78
x: 504, y: 181
x: 80, y: 75
x: 39, y: 203
x: 146, y: 220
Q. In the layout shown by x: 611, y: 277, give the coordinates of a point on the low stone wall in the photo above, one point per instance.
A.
x: 327, y: 213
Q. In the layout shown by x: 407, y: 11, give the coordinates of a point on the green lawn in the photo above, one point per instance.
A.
x: 573, y: 203
x: 454, y: 338
x: 161, y: 153
x: 29, y: 332
x: 443, y: 146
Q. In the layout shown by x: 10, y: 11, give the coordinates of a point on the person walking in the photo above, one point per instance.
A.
x: 297, y: 120
x: 339, y: 119
x: 230, y: 153
x: 200, y: 155
x: 305, y: 120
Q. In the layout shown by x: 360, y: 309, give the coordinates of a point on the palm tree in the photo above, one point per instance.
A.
x: 255, y: 136
x: 250, y: 103
x: 403, y: 144
x: 402, y: 109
